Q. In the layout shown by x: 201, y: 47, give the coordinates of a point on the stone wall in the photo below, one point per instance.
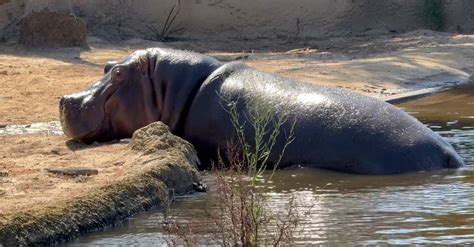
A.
x: 248, y: 19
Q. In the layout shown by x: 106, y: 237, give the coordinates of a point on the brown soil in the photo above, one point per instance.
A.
x: 33, y: 81
x: 26, y: 185
x: 34, y: 201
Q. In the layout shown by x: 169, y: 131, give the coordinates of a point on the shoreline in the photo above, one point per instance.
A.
x: 98, y: 210
x: 443, y: 83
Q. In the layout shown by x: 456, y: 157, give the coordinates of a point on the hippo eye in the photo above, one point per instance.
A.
x: 118, y: 75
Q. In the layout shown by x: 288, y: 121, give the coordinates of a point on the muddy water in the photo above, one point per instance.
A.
x: 50, y: 128
x: 422, y: 208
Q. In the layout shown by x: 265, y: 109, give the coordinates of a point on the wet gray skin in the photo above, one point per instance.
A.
x: 335, y: 129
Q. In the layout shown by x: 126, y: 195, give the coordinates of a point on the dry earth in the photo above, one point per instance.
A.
x: 33, y: 81
x: 25, y: 184
x: 39, y: 208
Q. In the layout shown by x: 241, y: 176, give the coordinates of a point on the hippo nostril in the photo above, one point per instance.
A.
x: 66, y: 107
x: 65, y: 100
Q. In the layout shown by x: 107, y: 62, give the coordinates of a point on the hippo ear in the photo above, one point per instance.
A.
x: 108, y: 66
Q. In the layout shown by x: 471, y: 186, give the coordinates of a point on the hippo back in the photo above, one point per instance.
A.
x: 335, y: 129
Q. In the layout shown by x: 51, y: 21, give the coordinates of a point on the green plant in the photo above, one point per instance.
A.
x: 266, y: 124
x: 243, y: 217
x: 434, y: 14
x: 168, y: 28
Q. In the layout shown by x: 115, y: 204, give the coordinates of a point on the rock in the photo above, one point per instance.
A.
x: 3, y: 174
x: 95, y: 40
x: 199, y: 187
x: 157, y: 139
x: 73, y: 171
x: 53, y: 29
x: 81, y: 179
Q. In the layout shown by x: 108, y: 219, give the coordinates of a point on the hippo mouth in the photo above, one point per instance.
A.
x: 87, y: 137
x: 74, y: 128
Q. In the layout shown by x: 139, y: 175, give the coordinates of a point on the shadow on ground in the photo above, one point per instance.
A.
x: 74, y: 145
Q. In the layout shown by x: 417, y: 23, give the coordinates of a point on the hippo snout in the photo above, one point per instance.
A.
x: 66, y: 106
x: 79, y: 116
x: 69, y: 111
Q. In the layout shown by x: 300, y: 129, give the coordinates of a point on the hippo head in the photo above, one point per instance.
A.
x: 114, y: 106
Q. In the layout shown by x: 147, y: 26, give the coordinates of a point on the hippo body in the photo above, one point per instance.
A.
x: 334, y: 128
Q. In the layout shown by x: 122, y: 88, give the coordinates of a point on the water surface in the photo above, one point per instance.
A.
x: 49, y: 128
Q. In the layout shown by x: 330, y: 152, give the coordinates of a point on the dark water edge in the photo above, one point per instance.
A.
x: 343, y: 209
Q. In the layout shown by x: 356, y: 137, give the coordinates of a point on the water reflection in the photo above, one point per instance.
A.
x: 343, y: 209
x: 451, y: 109
x: 371, y: 210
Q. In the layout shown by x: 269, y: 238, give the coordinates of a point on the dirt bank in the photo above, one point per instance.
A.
x: 39, y: 207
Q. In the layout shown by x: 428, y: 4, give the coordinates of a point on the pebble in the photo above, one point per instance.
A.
x: 200, y: 187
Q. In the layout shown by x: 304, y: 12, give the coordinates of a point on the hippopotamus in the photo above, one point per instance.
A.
x: 333, y: 128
